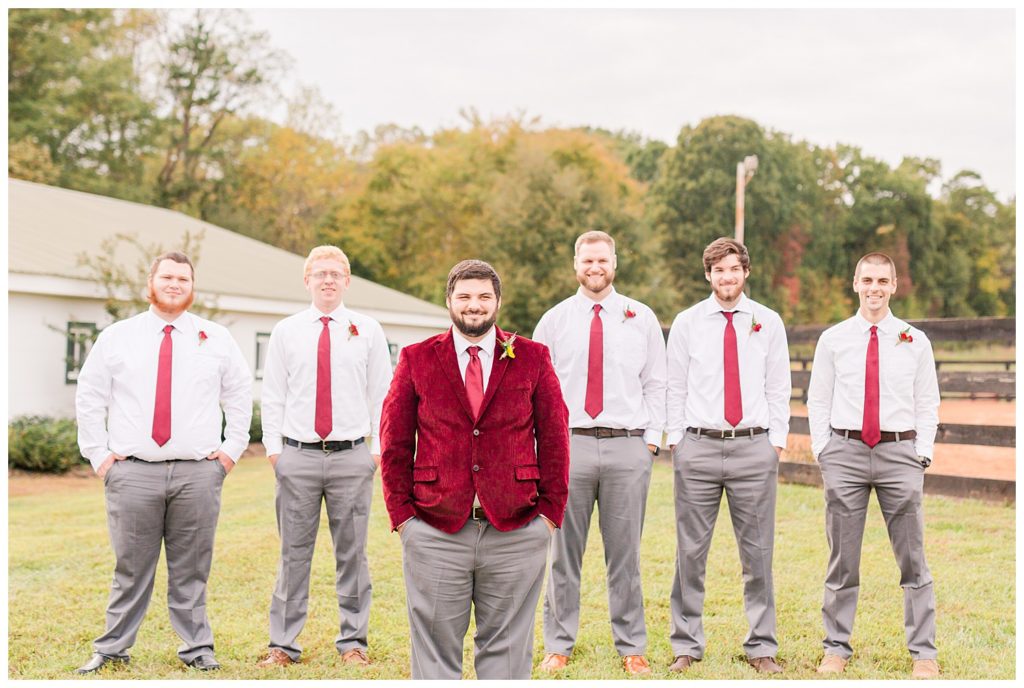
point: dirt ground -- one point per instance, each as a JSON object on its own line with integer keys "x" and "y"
{"x": 951, "y": 459}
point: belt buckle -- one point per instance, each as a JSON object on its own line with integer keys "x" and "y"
{"x": 727, "y": 436}
{"x": 323, "y": 445}
{"x": 601, "y": 433}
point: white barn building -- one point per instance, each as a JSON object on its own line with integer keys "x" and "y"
{"x": 51, "y": 296}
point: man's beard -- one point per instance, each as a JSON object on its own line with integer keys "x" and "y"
{"x": 602, "y": 282}
{"x": 734, "y": 289}
{"x": 472, "y": 330}
{"x": 165, "y": 306}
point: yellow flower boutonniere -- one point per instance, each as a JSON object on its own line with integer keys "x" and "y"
{"x": 507, "y": 345}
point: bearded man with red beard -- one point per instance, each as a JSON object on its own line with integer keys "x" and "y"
{"x": 149, "y": 402}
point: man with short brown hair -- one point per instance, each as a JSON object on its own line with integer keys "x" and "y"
{"x": 148, "y": 404}
{"x": 728, "y": 420}
{"x": 872, "y": 406}
{"x": 475, "y": 466}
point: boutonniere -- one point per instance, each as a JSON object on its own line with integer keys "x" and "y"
{"x": 353, "y": 331}
{"x": 628, "y": 313}
{"x": 905, "y": 336}
{"x": 754, "y": 325}
{"x": 507, "y": 345}
{"x": 202, "y": 337}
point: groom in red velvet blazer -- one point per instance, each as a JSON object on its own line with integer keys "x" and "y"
{"x": 475, "y": 468}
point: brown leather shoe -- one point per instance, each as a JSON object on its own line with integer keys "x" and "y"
{"x": 682, "y": 663}
{"x": 276, "y": 657}
{"x": 553, "y": 662}
{"x": 832, "y": 664}
{"x": 356, "y": 657}
{"x": 635, "y": 664}
{"x": 925, "y": 668}
{"x": 765, "y": 665}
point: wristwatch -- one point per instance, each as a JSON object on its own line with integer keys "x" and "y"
{"x": 926, "y": 461}
{"x": 657, "y": 450}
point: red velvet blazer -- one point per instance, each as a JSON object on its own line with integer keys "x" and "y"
{"x": 515, "y": 456}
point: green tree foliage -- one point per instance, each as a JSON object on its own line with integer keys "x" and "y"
{"x": 500, "y": 192}
{"x": 76, "y": 116}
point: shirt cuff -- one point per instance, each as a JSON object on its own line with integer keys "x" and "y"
{"x": 653, "y": 437}
{"x": 778, "y": 439}
{"x": 233, "y": 450}
{"x": 97, "y": 459}
{"x": 273, "y": 446}
{"x": 924, "y": 449}
{"x": 375, "y": 446}
{"x": 674, "y": 437}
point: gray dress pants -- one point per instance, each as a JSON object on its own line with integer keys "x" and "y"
{"x": 746, "y": 469}
{"x": 148, "y": 503}
{"x": 344, "y": 481}
{"x": 849, "y": 469}
{"x": 499, "y": 574}
{"x": 614, "y": 473}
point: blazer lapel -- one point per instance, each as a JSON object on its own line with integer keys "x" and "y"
{"x": 498, "y": 368}
{"x": 444, "y": 348}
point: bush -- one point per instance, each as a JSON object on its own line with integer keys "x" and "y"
{"x": 256, "y": 426}
{"x": 39, "y": 443}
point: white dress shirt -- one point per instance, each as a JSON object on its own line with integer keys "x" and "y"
{"x": 360, "y": 376}
{"x": 696, "y": 370}
{"x": 907, "y": 382}
{"x": 486, "y": 353}
{"x": 116, "y": 392}
{"x": 634, "y": 362}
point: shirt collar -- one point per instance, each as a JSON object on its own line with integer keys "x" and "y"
{"x": 712, "y": 307}
{"x": 608, "y": 303}
{"x": 486, "y": 344}
{"x": 338, "y": 314}
{"x": 183, "y": 323}
{"x": 888, "y": 324}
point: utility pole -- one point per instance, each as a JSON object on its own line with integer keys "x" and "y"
{"x": 744, "y": 171}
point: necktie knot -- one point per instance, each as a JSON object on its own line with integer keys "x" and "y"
{"x": 474, "y": 351}
{"x": 597, "y": 309}
{"x": 728, "y": 315}
{"x": 874, "y": 329}
{"x": 325, "y": 320}
{"x": 168, "y": 329}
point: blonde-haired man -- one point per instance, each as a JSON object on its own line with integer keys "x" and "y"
{"x": 327, "y": 371}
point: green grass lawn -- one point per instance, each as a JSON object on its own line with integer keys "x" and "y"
{"x": 61, "y": 564}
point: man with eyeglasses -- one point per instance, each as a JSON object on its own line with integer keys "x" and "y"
{"x": 327, "y": 372}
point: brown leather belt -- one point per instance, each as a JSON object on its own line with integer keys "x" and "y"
{"x": 727, "y": 434}
{"x": 886, "y": 436}
{"x": 602, "y": 433}
{"x": 324, "y": 446}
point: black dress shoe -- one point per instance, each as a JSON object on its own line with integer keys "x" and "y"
{"x": 98, "y": 661}
{"x": 204, "y": 663}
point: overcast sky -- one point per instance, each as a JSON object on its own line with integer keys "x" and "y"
{"x": 928, "y": 83}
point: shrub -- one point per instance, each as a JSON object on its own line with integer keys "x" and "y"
{"x": 39, "y": 443}
{"x": 256, "y": 426}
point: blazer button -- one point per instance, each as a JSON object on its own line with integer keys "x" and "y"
{"x": 476, "y": 468}
{"x": 476, "y": 432}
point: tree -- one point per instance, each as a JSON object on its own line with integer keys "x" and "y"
{"x": 73, "y": 93}
{"x": 214, "y": 67}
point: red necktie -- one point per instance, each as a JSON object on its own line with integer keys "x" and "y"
{"x": 733, "y": 394}
{"x": 162, "y": 406}
{"x": 324, "y": 415}
{"x": 475, "y": 381}
{"x": 870, "y": 430}
{"x": 594, "y": 402}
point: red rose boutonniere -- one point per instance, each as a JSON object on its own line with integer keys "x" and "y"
{"x": 628, "y": 313}
{"x": 754, "y": 325}
{"x": 202, "y": 337}
{"x": 905, "y": 336}
{"x": 507, "y": 345}
{"x": 353, "y": 331}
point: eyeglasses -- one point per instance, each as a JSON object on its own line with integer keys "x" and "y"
{"x": 321, "y": 275}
